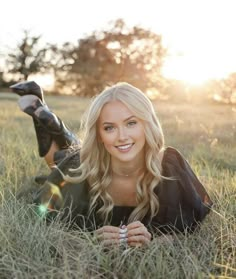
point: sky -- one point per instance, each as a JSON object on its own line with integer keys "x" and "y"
{"x": 200, "y": 35}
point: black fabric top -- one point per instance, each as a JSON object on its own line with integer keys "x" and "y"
{"x": 183, "y": 200}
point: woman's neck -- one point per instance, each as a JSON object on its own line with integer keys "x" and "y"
{"x": 133, "y": 169}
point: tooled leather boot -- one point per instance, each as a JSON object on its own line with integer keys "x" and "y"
{"x": 24, "y": 88}
{"x": 48, "y": 126}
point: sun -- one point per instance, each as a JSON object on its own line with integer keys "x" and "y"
{"x": 206, "y": 49}
{"x": 190, "y": 70}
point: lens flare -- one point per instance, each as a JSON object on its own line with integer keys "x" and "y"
{"x": 42, "y": 209}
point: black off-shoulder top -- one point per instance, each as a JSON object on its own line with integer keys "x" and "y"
{"x": 183, "y": 200}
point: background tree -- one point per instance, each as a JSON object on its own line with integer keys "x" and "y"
{"x": 28, "y": 58}
{"x": 120, "y": 53}
{"x": 60, "y": 60}
{"x": 134, "y": 55}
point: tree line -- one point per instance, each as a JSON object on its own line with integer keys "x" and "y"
{"x": 118, "y": 53}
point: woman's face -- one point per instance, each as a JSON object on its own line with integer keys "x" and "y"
{"x": 121, "y": 132}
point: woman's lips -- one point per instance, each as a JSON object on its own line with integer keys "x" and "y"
{"x": 125, "y": 147}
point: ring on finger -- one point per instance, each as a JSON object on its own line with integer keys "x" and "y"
{"x": 123, "y": 233}
{"x": 123, "y": 230}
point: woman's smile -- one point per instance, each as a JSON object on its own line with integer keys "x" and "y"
{"x": 125, "y": 148}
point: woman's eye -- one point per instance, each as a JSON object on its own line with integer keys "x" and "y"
{"x": 132, "y": 123}
{"x": 108, "y": 128}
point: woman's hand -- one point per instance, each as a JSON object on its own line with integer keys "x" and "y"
{"x": 134, "y": 234}
{"x": 108, "y": 235}
{"x": 138, "y": 234}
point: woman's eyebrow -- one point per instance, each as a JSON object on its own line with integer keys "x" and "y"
{"x": 127, "y": 119}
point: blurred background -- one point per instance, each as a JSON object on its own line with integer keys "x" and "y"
{"x": 182, "y": 50}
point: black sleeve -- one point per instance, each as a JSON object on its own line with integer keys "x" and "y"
{"x": 194, "y": 193}
{"x": 184, "y": 202}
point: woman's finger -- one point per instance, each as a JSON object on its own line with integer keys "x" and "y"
{"x": 108, "y": 235}
{"x": 139, "y": 231}
{"x": 111, "y": 229}
{"x": 141, "y": 239}
{"x": 133, "y": 225}
{"x": 137, "y": 228}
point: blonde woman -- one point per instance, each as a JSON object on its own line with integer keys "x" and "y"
{"x": 120, "y": 180}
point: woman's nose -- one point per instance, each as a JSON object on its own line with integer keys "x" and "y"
{"x": 122, "y": 134}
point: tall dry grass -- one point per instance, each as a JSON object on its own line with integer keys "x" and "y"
{"x": 30, "y": 248}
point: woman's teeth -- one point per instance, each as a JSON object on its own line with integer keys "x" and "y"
{"x": 124, "y": 147}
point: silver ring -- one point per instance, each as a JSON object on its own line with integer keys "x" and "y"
{"x": 123, "y": 230}
{"x": 123, "y": 235}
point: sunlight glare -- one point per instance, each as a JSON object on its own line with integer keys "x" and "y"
{"x": 46, "y": 81}
{"x": 197, "y": 68}
{"x": 206, "y": 49}
{"x": 186, "y": 70}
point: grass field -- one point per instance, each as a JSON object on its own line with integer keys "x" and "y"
{"x": 205, "y": 134}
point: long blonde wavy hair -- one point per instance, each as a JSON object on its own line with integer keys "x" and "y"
{"x": 95, "y": 165}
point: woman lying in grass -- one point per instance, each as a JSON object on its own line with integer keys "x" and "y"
{"x": 121, "y": 180}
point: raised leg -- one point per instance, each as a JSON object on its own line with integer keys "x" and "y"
{"x": 51, "y": 132}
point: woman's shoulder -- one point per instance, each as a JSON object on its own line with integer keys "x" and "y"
{"x": 172, "y": 151}
{"x": 175, "y": 165}
{"x": 173, "y": 156}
